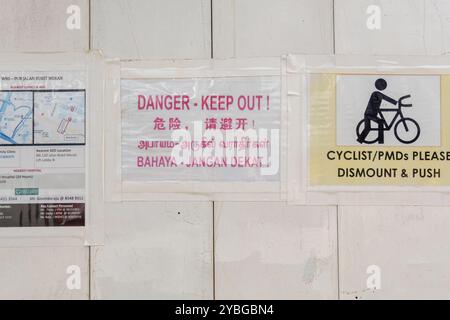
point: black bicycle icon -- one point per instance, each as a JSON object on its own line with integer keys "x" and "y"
{"x": 406, "y": 130}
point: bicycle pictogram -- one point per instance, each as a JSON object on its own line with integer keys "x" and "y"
{"x": 406, "y": 130}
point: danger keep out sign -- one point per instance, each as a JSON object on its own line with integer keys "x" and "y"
{"x": 201, "y": 129}
{"x": 379, "y": 130}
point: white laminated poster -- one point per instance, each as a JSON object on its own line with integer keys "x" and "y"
{"x": 42, "y": 148}
{"x": 198, "y": 129}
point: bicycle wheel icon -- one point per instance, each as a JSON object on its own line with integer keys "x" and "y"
{"x": 407, "y": 130}
{"x": 372, "y": 137}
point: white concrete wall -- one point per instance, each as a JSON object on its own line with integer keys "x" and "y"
{"x": 411, "y": 27}
{"x": 156, "y": 29}
{"x": 258, "y": 28}
{"x": 40, "y": 26}
{"x": 271, "y": 250}
{"x": 409, "y": 245}
{"x": 42, "y": 272}
{"x": 155, "y": 251}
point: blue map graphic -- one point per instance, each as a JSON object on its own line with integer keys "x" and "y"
{"x": 59, "y": 117}
{"x": 16, "y": 117}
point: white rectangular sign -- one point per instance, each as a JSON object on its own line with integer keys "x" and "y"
{"x": 42, "y": 148}
{"x": 201, "y": 129}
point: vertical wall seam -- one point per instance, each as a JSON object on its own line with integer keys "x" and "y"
{"x": 337, "y": 254}
{"x": 337, "y": 207}
{"x": 213, "y": 204}
{"x": 90, "y": 274}
{"x": 334, "y": 29}
{"x": 214, "y": 252}
{"x": 89, "y": 25}
{"x": 89, "y": 247}
{"x": 211, "y": 35}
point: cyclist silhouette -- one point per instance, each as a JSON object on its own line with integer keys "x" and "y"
{"x": 373, "y": 110}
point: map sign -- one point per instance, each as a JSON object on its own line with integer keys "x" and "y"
{"x": 42, "y": 117}
{"x": 42, "y": 149}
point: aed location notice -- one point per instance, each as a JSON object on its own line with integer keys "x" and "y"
{"x": 42, "y": 149}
